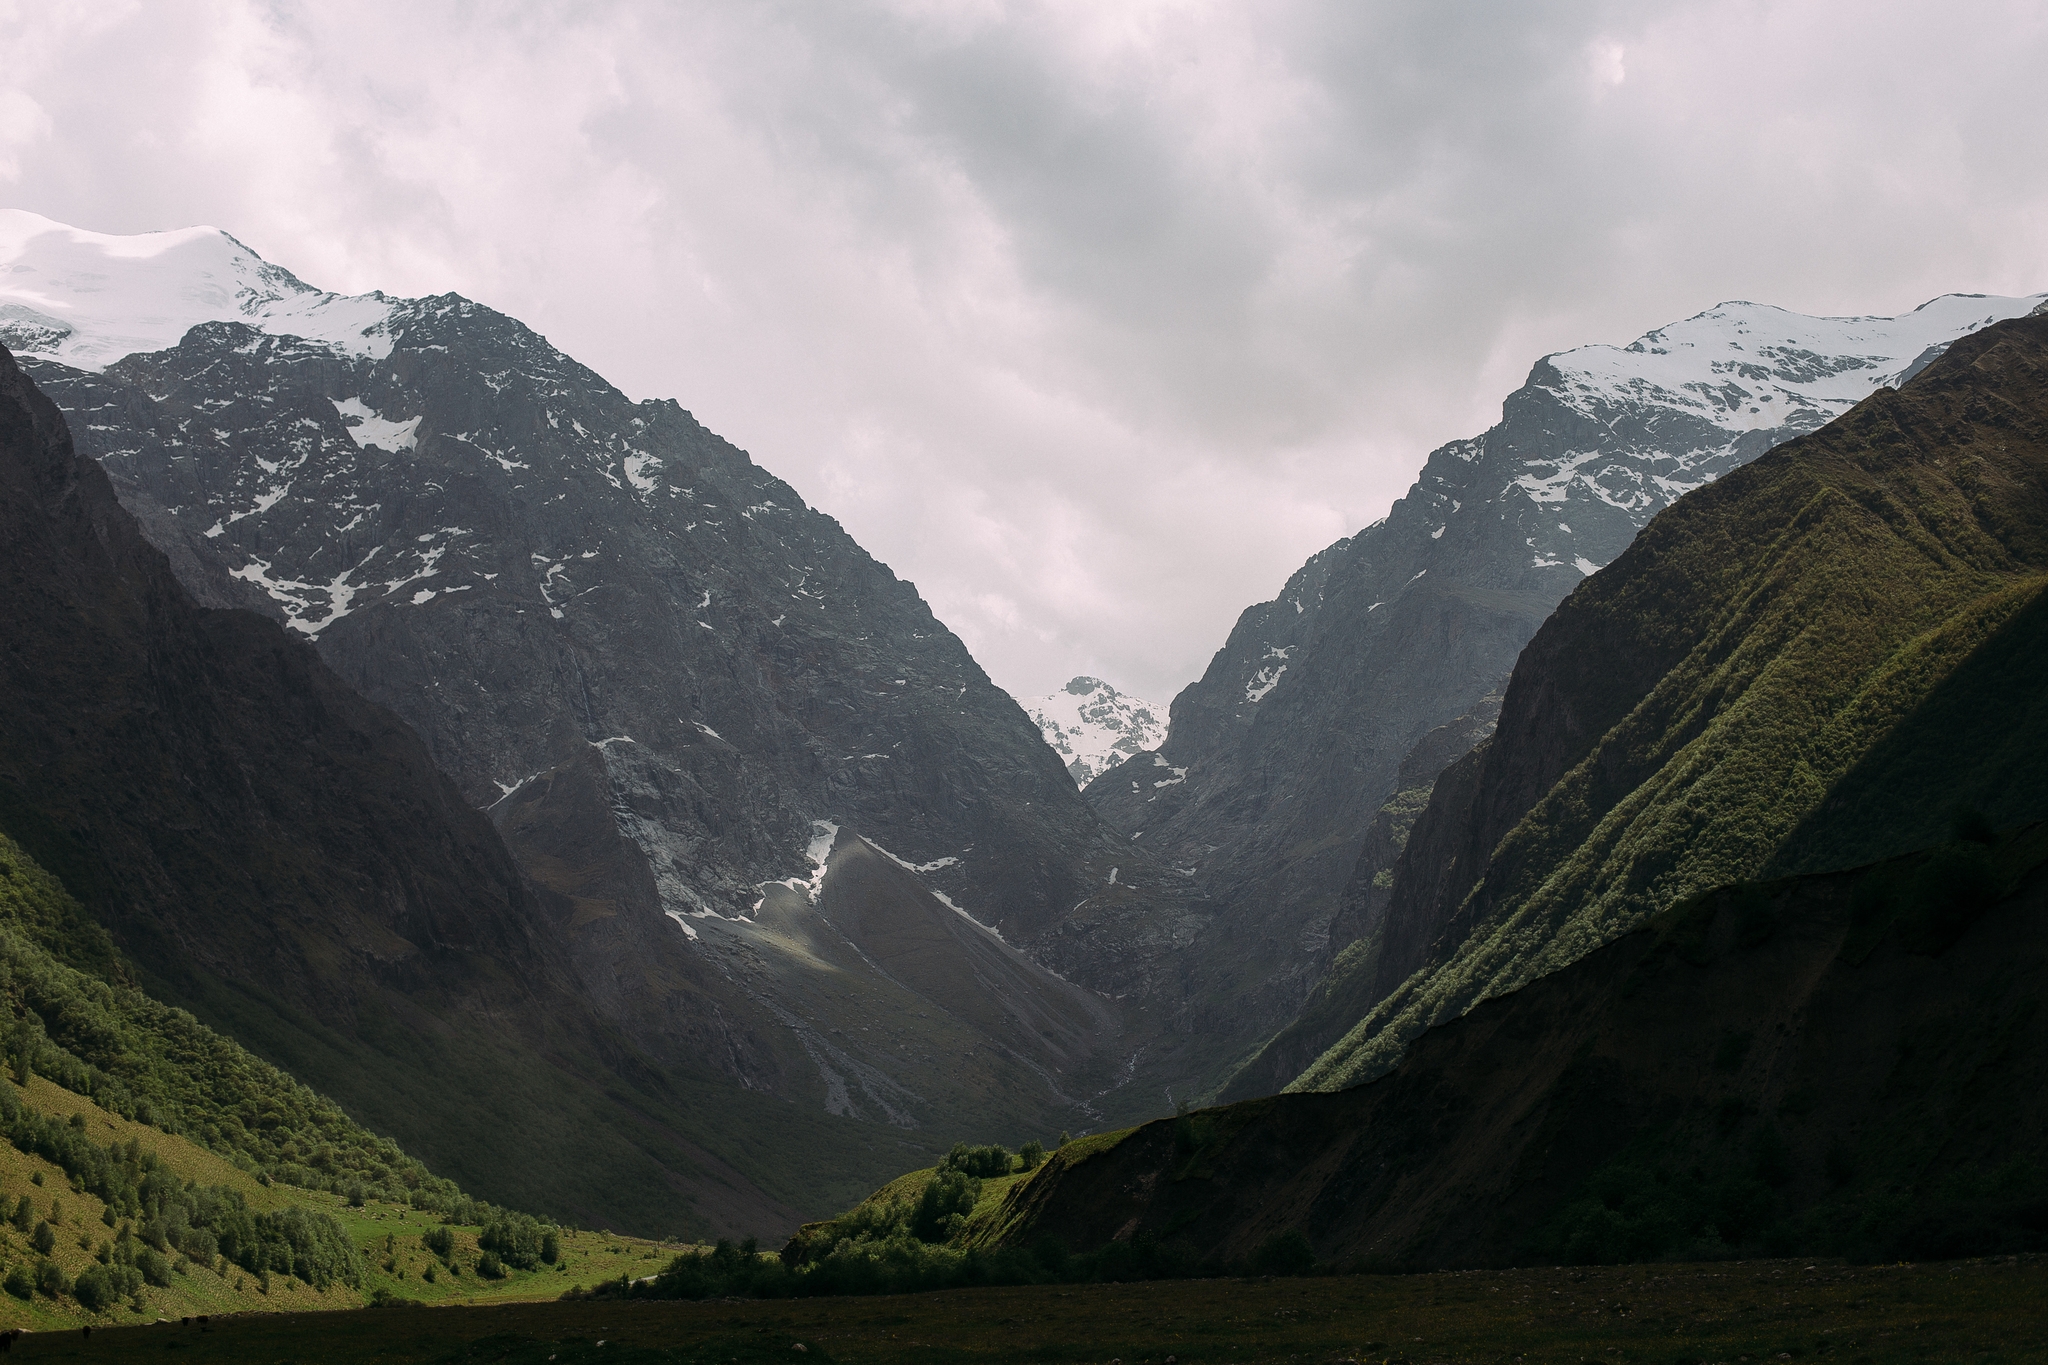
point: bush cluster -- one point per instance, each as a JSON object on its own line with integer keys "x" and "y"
{"x": 519, "y": 1241}
{"x": 508, "y": 1242}
{"x": 942, "y": 1210}
{"x": 982, "y": 1163}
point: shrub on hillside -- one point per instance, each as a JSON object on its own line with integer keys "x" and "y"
{"x": 943, "y": 1207}
{"x": 873, "y": 1222}
{"x": 93, "y": 1289}
{"x": 20, "y": 1281}
{"x": 153, "y": 1267}
{"x": 983, "y": 1163}
{"x": 517, "y": 1239}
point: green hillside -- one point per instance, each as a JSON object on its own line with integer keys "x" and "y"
{"x": 1811, "y": 663}
{"x": 154, "y": 1168}
{"x": 138, "y": 1231}
{"x": 95, "y": 1034}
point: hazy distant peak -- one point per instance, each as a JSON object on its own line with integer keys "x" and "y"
{"x": 1094, "y": 727}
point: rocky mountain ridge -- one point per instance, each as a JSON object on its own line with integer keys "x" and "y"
{"x": 281, "y": 858}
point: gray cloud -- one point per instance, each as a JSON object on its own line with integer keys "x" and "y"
{"x": 1092, "y": 319}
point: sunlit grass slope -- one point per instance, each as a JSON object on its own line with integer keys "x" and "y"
{"x": 390, "y": 1238}
{"x": 125, "y": 1105}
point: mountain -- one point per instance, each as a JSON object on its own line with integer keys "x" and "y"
{"x": 1294, "y": 740}
{"x": 280, "y": 857}
{"x": 686, "y": 698}
{"x": 1848, "y": 1064}
{"x": 1093, "y": 726}
{"x": 1815, "y": 660}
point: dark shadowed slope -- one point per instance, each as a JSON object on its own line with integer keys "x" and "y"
{"x": 1850, "y": 1063}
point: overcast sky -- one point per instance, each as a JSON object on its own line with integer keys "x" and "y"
{"x": 1094, "y": 319}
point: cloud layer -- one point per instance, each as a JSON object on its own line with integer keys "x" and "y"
{"x": 1092, "y": 319}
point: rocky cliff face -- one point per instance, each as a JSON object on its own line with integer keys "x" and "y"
{"x": 665, "y": 675}
{"x": 1279, "y": 760}
{"x": 1367, "y": 951}
{"x": 1817, "y": 658}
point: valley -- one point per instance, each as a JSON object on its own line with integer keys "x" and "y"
{"x": 1566, "y": 868}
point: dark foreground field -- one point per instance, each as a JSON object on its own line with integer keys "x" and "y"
{"x": 1981, "y": 1312}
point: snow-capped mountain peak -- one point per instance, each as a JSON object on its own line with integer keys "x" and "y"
{"x": 87, "y": 299}
{"x": 1095, "y": 727}
{"x": 1753, "y": 367}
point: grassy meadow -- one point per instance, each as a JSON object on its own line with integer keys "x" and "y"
{"x": 1992, "y": 1312}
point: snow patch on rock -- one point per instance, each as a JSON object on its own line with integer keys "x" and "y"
{"x": 368, "y": 428}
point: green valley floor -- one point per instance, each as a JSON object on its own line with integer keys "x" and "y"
{"x": 1985, "y": 1312}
